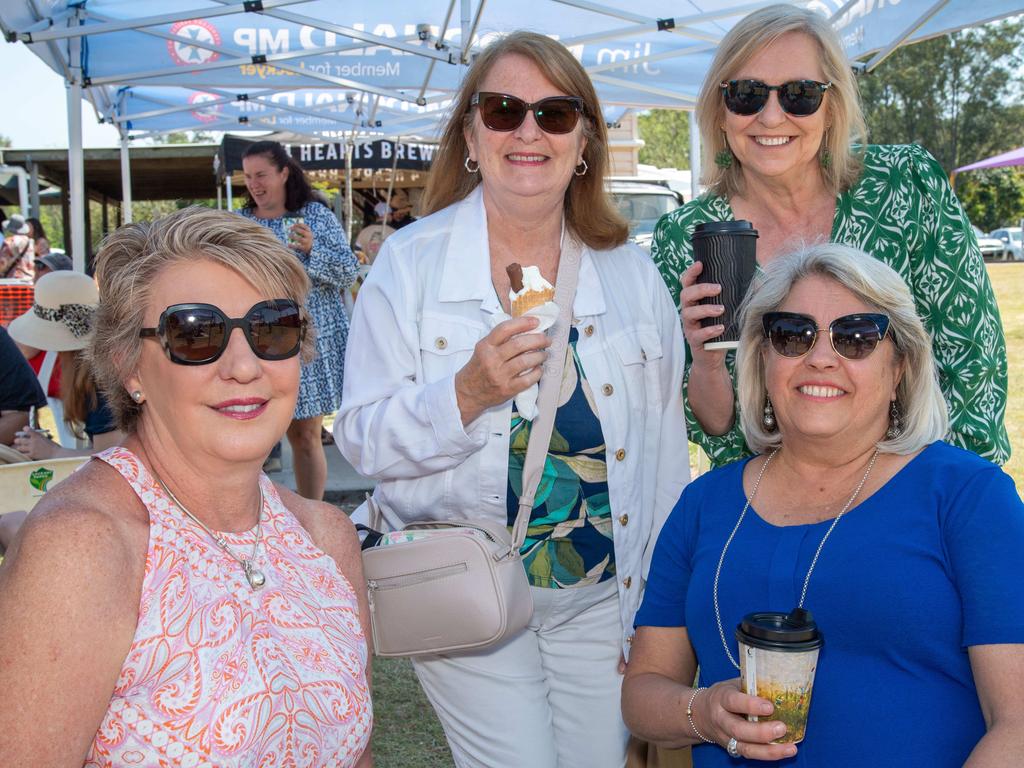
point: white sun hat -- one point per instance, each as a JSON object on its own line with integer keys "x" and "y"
{"x": 61, "y": 316}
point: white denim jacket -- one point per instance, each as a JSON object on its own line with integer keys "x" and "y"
{"x": 421, "y": 311}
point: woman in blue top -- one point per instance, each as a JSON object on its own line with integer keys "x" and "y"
{"x": 908, "y": 549}
{"x": 282, "y": 199}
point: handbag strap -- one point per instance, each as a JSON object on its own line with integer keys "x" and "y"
{"x": 550, "y": 385}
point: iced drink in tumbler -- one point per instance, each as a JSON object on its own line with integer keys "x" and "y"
{"x": 728, "y": 251}
{"x": 778, "y": 659}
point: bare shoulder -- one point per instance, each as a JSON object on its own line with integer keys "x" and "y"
{"x": 329, "y": 527}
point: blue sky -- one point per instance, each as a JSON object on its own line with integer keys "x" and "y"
{"x": 35, "y": 114}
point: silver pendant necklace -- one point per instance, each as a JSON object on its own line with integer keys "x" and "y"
{"x": 253, "y": 574}
{"x": 814, "y": 560}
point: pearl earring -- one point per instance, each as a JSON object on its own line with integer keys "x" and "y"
{"x": 137, "y": 397}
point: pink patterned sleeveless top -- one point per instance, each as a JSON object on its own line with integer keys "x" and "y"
{"x": 220, "y": 675}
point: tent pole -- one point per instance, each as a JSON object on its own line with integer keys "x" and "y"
{"x": 349, "y": 148}
{"x": 126, "y": 180}
{"x": 694, "y": 156}
{"x": 33, "y": 188}
{"x": 231, "y": 204}
{"x": 76, "y": 162}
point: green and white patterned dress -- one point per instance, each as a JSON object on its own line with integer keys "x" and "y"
{"x": 904, "y": 213}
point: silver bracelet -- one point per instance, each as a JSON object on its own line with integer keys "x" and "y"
{"x": 689, "y": 716}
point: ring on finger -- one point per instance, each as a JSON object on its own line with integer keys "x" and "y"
{"x": 733, "y": 748}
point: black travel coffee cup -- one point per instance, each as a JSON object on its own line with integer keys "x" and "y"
{"x": 778, "y": 659}
{"x": 728, "y": 251}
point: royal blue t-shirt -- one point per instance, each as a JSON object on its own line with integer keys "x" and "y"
{"x": 927, "y": 566}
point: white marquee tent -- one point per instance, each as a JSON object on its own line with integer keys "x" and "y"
{"x": 362, "y": 71}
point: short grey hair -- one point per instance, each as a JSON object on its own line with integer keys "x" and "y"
{"x": 842, "y": 106}
{"x": 131, "y": 258}
{"x": 918, "y": 396}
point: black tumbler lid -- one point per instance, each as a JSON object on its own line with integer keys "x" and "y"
{"x": 738, "y": 227}
{"x": 795, "y": 631}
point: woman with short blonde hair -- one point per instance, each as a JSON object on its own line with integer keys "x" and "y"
{"x": 168, "y": 604}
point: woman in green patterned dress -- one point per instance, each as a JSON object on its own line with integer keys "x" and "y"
{"x": 782, "y": 132}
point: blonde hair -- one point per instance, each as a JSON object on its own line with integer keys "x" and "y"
{"x": 918, "y": 396}
{"x": 130, "y": 260}
{"x": 589, "y": 212}
{"x": 843, "y": 114}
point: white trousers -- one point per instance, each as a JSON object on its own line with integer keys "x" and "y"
{"x": 547, "y": 698}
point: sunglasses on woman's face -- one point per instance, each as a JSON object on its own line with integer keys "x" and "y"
{"x": 501, "y": 112}
{"x": 197, "y": 334}
{"x": 852, "y": 336}
{"x": 799, "y": 98}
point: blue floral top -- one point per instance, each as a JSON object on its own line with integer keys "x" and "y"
{"x": 332, "y": 269}
{"x": 569, "y": 541}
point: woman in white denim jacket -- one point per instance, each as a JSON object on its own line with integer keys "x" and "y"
{"x": 427, "y": 406}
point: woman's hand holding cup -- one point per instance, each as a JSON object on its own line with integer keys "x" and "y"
{"x": 722, "y": 715}
{"x": 693, "y": 312}
{"x": 505, "y": 362}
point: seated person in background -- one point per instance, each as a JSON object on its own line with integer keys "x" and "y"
{"x": 61, "y": 322}
{"x": 17, "y": 254}
{"x": 906, "y": 549}
{"x": 47, "y": 364}
{"x": 401, "y": 209}
{"x": 52, "y": 261}
{"x": 372, "y": 237}
{"x": 38, "y": 235}
{"x": 19, "y": 389}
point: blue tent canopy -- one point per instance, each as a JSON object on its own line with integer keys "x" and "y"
{"x": 329, "y": 69}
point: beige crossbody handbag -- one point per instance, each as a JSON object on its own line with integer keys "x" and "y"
{"x": 463, "y": 586}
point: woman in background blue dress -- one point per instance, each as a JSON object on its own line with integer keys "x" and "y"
{"x": 281, "y": 198}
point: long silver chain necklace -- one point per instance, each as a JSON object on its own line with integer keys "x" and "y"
{"x": 253, "y": 574}
{"x": 814, "y": 560}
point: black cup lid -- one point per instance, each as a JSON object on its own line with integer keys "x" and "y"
{"x": 738, "y": 227}
{"x": 794, "y": 631}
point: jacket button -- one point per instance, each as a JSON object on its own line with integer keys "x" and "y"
{"x": 627, "y": 582}
{"x": 620, "y": 454}
{"x": 441, "y": 342}
{"x": 589, "y": 330}
{"x": 607, "y": 389}
{"x": 623, "y": 519}
{"x": 629, "y": 640}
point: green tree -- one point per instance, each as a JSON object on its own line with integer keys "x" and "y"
{"x": 5, "y": 141}
{"x": 666, "y": 135}
{"x": 957, "y": 95}
{"x": 993, "y": 198}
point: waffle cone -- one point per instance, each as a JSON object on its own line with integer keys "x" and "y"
{"x": 530, "y": 299}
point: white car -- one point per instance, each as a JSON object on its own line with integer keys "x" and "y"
{"x": 1011, "y": 238}
{"x": 643, "y": 202}
{"x": 990, "y": 247}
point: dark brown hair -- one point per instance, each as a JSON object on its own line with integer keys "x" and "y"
{"x": 589, "y": 212}
{"x": 297, "y": 189}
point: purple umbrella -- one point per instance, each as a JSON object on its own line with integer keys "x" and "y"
{"x": 1013, "y": 157}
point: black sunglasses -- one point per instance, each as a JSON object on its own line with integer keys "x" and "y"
{"x": 197, "y": 334}
{"x": 501, "y": 112}
{"x": 799, "y": 98}
{"x": 852, "y": 336}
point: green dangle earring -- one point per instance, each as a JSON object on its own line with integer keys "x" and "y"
{"x": 724, "y": 158}
{"x": 825, "y": 155}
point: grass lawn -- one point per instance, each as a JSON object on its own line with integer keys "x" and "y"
{"x": 1008, "y": 282}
